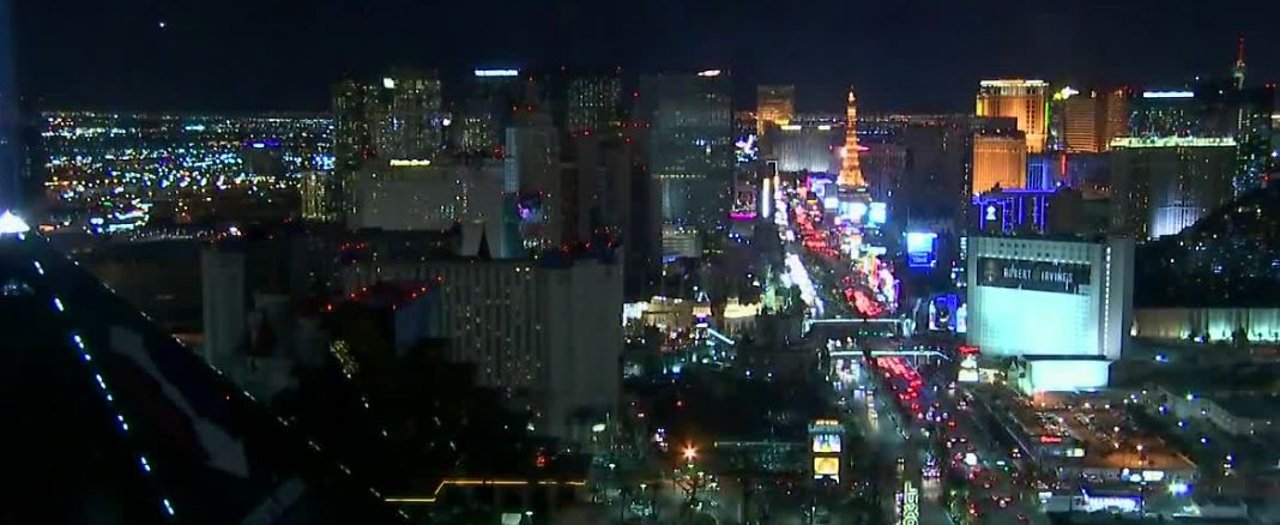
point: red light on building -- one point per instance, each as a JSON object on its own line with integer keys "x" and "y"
{"x": 1050, "y": 439}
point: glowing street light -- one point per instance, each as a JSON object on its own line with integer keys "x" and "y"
{"x": 690, "y": 453}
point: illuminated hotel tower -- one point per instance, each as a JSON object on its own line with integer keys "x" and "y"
{"x": 850, "y": 169}
{"x": 1023, "y": 100}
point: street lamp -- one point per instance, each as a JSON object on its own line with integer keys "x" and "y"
{"x": 690, "y": 453}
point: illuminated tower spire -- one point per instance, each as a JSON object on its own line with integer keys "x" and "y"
{"x": 1237, "y": 72}
{"x": 850, "y": 168}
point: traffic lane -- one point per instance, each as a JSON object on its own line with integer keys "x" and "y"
{"x": 886, "y": 439}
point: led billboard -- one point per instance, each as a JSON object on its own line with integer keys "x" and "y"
{"x": 942, "y": 312}
{"x": 922, "y": 249}
{"x": 826, "y": 444}
{"x": 878, "y": 213}
{"x": 1042, "y": 276}
{"x": 826, "y": 467}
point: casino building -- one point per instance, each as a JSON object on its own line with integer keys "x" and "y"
{"x": 1063, "y": 307}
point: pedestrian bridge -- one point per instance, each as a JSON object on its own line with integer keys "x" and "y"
{"x": 888, "y": 327}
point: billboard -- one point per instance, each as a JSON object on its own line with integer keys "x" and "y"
{"x": 826, "y": 467}
{"x": 878, "y": 214}
{"x": 745, "y": 149}
{"x": 826, "y": 444}
{"x": 1041, "y": 276}
{"x": 943, "y": 311}
{"x": 922, "y": 251}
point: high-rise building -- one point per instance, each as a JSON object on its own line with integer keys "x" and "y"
{"x": 10, "y": 151}
{"x": 774, "y": 105}
{"x": 1160, "y": 186}
{"x": 593, "y": 103}
{"x": 1090, "y": 120}
{"x": 690, "y": 145}
{"x": 850, "y": 167}
{"x": 399, "y": 117}
{"x": 884, "y": 164}
{"x": 1086, "y": 288}
{"x": 939, "y": 157}
{"x": 545, "y": 334}
{"x": 578, "y": 101}
{"x": 488, "y": 107}
{"x": 313, "y": 190}
{"x": 999, "y": 159}
{"x": 812, "y": 148}
{"x": 413, "y": 195}
{"x": 1166, "y": 113}
{"x": 223, "y": 292}
{"x": 1024, "y": 100}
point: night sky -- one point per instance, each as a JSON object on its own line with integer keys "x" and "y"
{"x": 907, "y": 55}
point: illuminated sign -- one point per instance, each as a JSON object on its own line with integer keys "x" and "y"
{"x": 910, "y": 504}
{"x": 968, "y": 370}
{"x": 497, "y": 72}
{"x": 746, "y": 149}
{"x": 942, "y": 312}
{"x": 921, "y": 251}
{"x": 1065, "y": 93}
{"x": 709, "y": 73}
{"x": 826, "y": 467}
{"x": 1050, "y": 440}
{"x": 1168, "y": 94}
{"x": 408, "y": 163}
{"x": 826, "y": 444}
{"x": 878, "y": 213}
{"x": 389, "y": 83}
{"x": 830, "y": 426}
{"x": 1073, "y": 278}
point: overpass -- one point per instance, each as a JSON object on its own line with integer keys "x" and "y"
{"x": 891, "y": 353}
{"x": 894, "y": 327}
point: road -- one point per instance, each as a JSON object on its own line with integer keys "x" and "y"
{"x": 885, "y": 437}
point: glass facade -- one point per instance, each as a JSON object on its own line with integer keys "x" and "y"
{"x": 691, "y": 150}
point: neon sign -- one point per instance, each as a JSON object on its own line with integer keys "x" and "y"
{"x": 910, "y": 504}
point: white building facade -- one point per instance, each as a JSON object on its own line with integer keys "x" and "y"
{"x": 1068, "y": 303}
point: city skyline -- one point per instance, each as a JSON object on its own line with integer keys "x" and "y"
{"x": 927, "y": 61}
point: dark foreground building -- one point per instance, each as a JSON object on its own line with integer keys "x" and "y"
{"x": 109, "y": 420}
